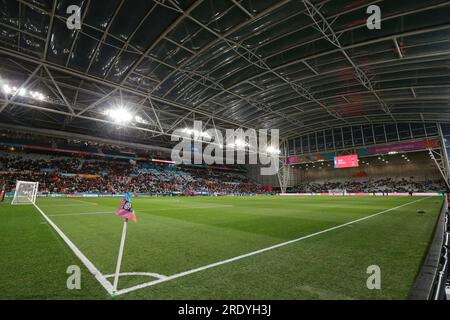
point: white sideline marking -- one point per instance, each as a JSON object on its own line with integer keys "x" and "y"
{"x": 89, "y": 265}
{"x": 63, "y": 204}
{"x": 79, "y": 214}
{"x": 87, "y": 202}
{"x": 212, "y": 265}
{"x": 191, "y": 207}
{"x": 150, "y": 211}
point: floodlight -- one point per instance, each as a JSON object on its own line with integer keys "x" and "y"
{"x": 119, "y": 115}
{"x": 240, "y": 143}
{"x": 7, "y": 89}
{"x": 273, "y": 150}
{"x": 196, "y": 133}
{"x": 205, "y": 135}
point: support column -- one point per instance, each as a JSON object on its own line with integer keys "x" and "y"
{"x": 284, "y": 177}
{"x": 284, "y": 172}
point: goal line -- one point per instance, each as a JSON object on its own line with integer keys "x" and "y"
{"x": 89, "y": 265}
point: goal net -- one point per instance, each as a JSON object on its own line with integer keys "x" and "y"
{"x": 25, "y": 193}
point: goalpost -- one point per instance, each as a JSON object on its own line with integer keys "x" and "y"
{"x": 25, "y": 193}
{"x": 3, "y": 193}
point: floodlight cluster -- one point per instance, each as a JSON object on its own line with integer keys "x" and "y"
{"x": 196, "y": 133}
{"x": 22, "y": 92}
{"x": 273, "y": 150}
{"x": 119, "y": 115}
{"x": 123, "y": 116}
{"x": 241, "y": 144}
{"x": 238, "y": 144}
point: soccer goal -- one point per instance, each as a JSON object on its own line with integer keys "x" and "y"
{"x": 3, "y": 193}
{"x": 25, "y": 193}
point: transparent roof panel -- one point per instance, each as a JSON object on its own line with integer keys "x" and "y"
{"x": 291, "y": 65}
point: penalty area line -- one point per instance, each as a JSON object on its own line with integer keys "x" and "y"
{"x": 246, "y": 255}
{"x": 89, "y": 265}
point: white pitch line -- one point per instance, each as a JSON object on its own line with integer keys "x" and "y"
{"x": 63, "y": 205}
{"x": 144, "y": 274}
{"x": 149, "y": 211}
{"x": 80, "y": 214}
{"x": 89, "y": 265}
{"x": 212, "y": 265}
{"x": 186, "y": 208}
{"x": 86, "y": 202}
{"x": 66, "y": 203}
{"x": 192, "y": 207}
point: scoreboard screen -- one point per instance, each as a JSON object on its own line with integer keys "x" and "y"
{"x": 351, "y": 161}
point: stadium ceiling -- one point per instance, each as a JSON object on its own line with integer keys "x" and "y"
{"x": 299, "y": 66}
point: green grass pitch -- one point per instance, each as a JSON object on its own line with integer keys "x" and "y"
{"x": 174, "y": 235}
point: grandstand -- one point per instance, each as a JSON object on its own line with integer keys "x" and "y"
{"x": 267, "y": 150}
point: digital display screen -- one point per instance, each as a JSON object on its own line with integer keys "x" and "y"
{"x": 351, "y": 161}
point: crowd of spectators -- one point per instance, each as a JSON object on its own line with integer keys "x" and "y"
{"x": 83, "y": 175}
{"x": 76, "y": 175}
{"x": 382, "y": 185}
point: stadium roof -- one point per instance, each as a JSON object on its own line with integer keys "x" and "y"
{"x": 299, "y": 66}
